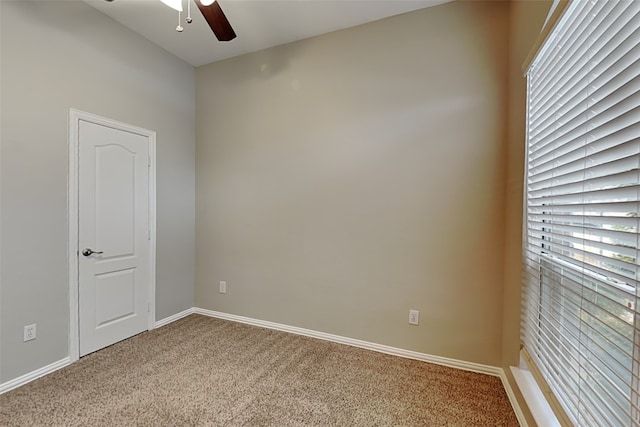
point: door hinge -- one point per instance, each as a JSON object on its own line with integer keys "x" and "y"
{"x": 149, "y": 234}
{"x": 148, "y": 307}
{"x": 148, "y": 161}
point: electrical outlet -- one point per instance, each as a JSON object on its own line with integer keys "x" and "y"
{"x": 30, "y": 332}
{"x": 223, "y": 287}
{"x": 414, "y": 317}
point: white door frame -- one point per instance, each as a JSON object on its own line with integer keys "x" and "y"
{"x": 75, "y": 116}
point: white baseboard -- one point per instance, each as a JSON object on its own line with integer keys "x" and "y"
{"x": 409, "y": 354}
{"x": 514, "y": 400}
{"x": 173, "y": 318}
{"x": 26, "y": 378}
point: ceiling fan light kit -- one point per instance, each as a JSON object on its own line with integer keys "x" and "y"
{"x": 173, "y": 4}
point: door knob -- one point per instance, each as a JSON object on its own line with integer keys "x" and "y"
{"x": 89, "y": 252}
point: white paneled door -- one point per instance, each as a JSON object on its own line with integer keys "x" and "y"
{"x": 113, "y": 235}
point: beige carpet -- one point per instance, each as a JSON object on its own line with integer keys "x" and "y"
{"x": 201, "y": 371}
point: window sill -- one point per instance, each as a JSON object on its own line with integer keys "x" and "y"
{"x": 538, "y": 405}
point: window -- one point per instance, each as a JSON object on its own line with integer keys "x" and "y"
{"x": 581, "y": 298}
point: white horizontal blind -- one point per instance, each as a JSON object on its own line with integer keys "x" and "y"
{"x": 581, "y": 319}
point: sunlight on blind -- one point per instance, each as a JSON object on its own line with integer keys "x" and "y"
{"x": 581, "y": 322}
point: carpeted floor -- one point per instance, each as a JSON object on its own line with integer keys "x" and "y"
{"x": 201, "y": 371}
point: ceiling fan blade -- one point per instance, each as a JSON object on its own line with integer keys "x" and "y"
{"x": 217, "y": 21}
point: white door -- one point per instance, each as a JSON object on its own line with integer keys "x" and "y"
{"x": 113, "y": 235}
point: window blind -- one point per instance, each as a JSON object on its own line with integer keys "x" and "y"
{"x": 581, "y": 298}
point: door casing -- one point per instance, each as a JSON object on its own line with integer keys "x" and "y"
{"x": 73, "y": 215}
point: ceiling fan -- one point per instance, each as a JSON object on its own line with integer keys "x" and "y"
{"x": 212, "y": 13}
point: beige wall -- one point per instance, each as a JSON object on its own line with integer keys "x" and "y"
{"x": 344, "y": 179}
{"x": 57, "y": 55}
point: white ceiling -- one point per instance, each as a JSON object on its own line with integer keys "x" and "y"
{"x": 259, "y": 24}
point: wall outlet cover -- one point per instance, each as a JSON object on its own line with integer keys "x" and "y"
{"x": 414, "y": 317}
{"x": 29, "y": 332}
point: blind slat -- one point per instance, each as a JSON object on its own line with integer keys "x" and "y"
{"x": 585, "y": 71}
{"x": 567, "y": 86}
